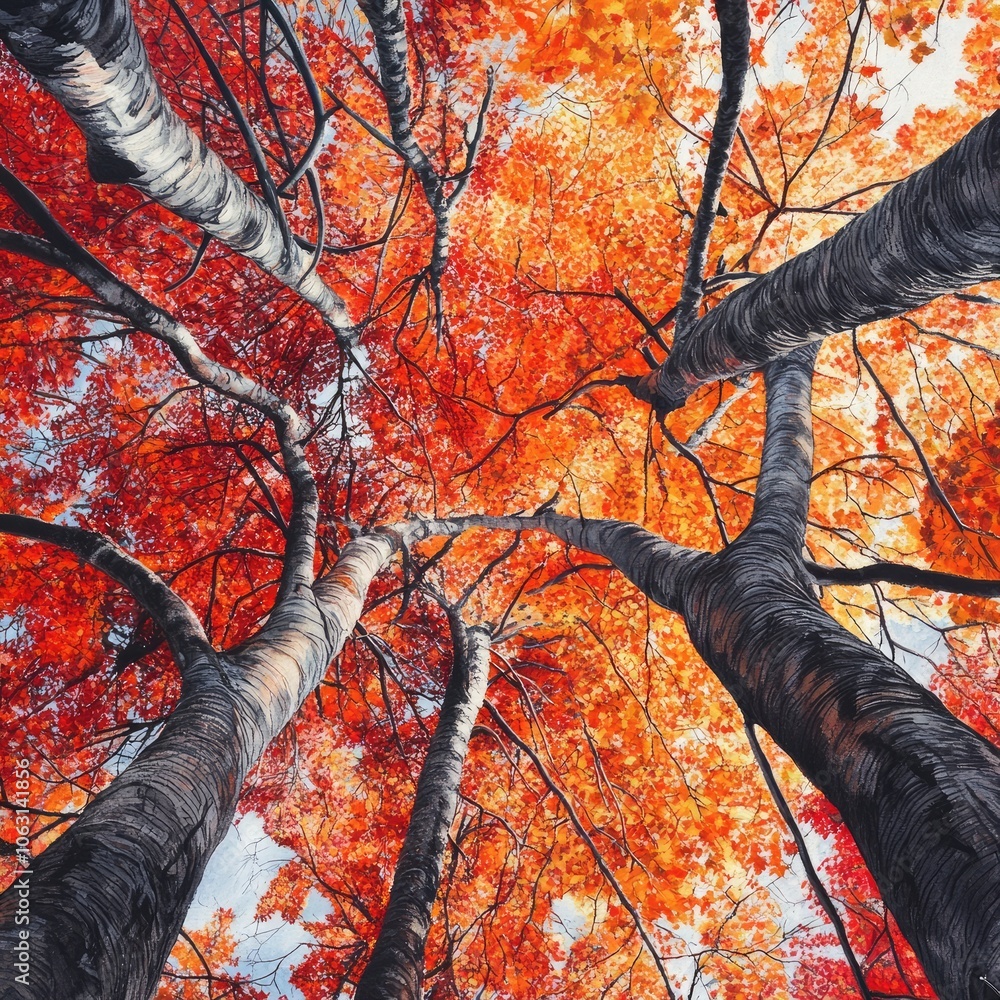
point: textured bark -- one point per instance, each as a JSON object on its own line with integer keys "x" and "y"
{"x": 653, "y": 564}
{"x": 88, "y": 55}
{"x": 781, "y": 503}
{"x": 289, "y": 656}
{"x": 936, "y": 232}
{"x": 919, "y": 791}
{"x": 395, "y": 970}
{"x": 107, "y": 899}
{"x": 388, "y": 23}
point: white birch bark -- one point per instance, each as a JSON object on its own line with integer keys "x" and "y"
{"x": 90, "y": 58}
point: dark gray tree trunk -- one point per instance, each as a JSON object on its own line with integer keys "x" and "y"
{"x": 919, "y": 790}
{"x": 107, "y": 899}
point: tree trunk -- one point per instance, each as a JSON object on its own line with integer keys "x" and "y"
{"x": 919, "y": 791}
{"x": 107, "y": 899}
{"x": 395, "y": 970}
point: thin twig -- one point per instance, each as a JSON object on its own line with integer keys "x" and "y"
{"x": 587, "y": 839}
{"x": 814, "y": 880}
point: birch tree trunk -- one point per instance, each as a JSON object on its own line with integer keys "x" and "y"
{"x": 919, "y": 791}
{"x": 89, "y": 56}
{"x": 395, "y": 970}
{"x": 107, "y": 899}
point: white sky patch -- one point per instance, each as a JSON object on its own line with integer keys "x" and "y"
{"x": 784, "y": 32}
{"x": 930, "y": 82}
{"x": 913, "y": 647}
{"x": 908, "y": 84}
{"x": 237, "y": 876}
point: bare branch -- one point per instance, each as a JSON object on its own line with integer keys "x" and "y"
{"x": 734, "y": 24}
{"x": 581, "y": 830}
{"x": 811, "y": 874}
{"x": 932, "y": 480}
{"x": 171, "y": 614}
{"x": 903, "y": 576}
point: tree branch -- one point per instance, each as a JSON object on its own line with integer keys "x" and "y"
{"x": 125, "y": 301}
{"x": 102, "y": 76}
{"x": 171, "y": 614}
{"x": 387, "y": 20}
{"x": 903, "y": 576}
{"x": 581, "y": 830}
{"x": 734, "y": 24}
{"x": 936, "y": 232}
{"x": 781, "y": 505}
{"x": 933, "y": 484}
{"x": 657, "y": 567}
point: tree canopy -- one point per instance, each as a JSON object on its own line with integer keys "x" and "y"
{"x": 555, "y": 442}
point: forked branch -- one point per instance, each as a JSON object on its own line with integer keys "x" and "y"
{"x": 387, "y": 19}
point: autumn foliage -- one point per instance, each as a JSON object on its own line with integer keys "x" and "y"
{"x": 567, "y": 250}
